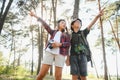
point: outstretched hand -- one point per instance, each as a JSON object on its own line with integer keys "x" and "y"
{"x": 101, "y": 12}
{"x": 31, "y": 13}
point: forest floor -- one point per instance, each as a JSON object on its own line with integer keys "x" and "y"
{"x": 64, "y": 77}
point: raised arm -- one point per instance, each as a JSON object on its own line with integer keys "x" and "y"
{"x": 95, "y": 19}
{"x": 45, "y": 25}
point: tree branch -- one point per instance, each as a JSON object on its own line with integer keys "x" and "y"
{"x": 2, "y": 20}
{"x": 2, "y": 8}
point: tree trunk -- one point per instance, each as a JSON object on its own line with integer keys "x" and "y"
{"x": 95, "y": 69}
{"x": 3, "y": 16}
{"x": 18, "y": 63}
{"x": 2, "y": 8}
{"x": 13, "y": 45}
{"x": 14, "y": 55}
{"x": 103, "y": 46}
{"x": 32, "y": 52}
{"x": 116, "y": 38}
{"x": 40, "y": 41}
{"x": 39, "y": 54}
{"x": 54, "y": 6}
{"x": 76, "y": 9}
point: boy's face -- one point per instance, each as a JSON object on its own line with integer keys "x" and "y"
{"x": 77, "y": 24}
{"x": 62, "y": 25}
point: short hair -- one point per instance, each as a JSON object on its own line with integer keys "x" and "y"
{"x": 75, "y": 21}
{"x": 60, "y": 21}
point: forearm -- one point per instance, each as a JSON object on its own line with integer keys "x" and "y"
{"x": 45, "y": 25}
{"x": 93, "y": 22}
{"x": 36, "y": 16}
{"x": 65, "y": 44}
{"x": 68, "y": 57}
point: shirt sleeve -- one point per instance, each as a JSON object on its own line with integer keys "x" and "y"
{"x": 46, "y": 26}
{"x": 86, "y": 32}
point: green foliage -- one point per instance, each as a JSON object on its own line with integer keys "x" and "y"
{"x": 2, "y": 68}
{"x": 9, "y": 70}
{"x": 111, "y": 9}
{"x": 6, "y": 70}
{"x": 1, "y": 57}
{"x": 20, "y": 70}
{"x": 17, "y": 73}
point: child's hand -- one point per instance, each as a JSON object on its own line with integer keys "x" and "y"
{"x": 67, "y": 62}
{"x": 101, "y": 12}
{"x": 56, "y": 44}
{"x": 31, "y": 13}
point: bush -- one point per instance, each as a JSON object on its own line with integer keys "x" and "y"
{"x": 9, "y": 70}
{"x": 20, "y": 70}
{"x": 2, "y": 69}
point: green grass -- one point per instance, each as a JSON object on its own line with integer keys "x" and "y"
{"x": 47, "y": 77}
{"x": 11, "y": 77}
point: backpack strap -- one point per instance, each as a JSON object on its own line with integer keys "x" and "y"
{"x": 86, "y": 42}
{"x": 83, "y": 36}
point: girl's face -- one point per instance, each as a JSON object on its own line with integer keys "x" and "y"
{"x": 77, "y": 24}
{"x": 62, "y": 25}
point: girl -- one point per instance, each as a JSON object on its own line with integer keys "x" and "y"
{"x": 56, "y": 49}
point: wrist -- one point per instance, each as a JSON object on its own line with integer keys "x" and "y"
{"x": 98, "y": 16}
{"x": 60, "y": 44}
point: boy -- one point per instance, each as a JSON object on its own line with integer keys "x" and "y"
{"x": 78, "y": 59}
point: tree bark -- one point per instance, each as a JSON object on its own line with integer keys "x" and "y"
{"x": 76, "y": 9}
{"x": 32, "y": 52}
{"x": 2, "y": 8}
{"x": 118, "y": 46}
{"x": 103, "y": 46}
{"x": 116, "y": 37}
{"x": 54, "y": 6}
{"x": 40, "y": 41}
{"x": 3, "y": 16}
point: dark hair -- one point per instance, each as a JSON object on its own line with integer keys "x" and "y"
{"x": 59, "y": 22}
{"x": 72, "y": 23}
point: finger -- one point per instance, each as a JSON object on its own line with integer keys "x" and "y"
{"x": 30, "y": 13}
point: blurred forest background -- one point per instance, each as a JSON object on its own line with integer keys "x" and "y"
{"x": 22, "y": 39}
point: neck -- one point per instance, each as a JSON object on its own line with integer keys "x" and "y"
{"x": 76, "y": 30}
{"x": 62, "y": 30}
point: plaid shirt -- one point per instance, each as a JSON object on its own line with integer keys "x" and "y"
{"x": 65, "y": 38}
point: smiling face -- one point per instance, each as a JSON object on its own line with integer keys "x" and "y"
{"x": 76, "y": 24}
{"x": 61, "y": 25}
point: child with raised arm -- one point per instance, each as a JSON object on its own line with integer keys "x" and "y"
{"x": 56, "y": 49}
{"x": 78, "y": 58}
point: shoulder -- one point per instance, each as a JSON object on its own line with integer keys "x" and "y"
{"x": 65, "y": 34}
{"x": 86, "y": 31}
